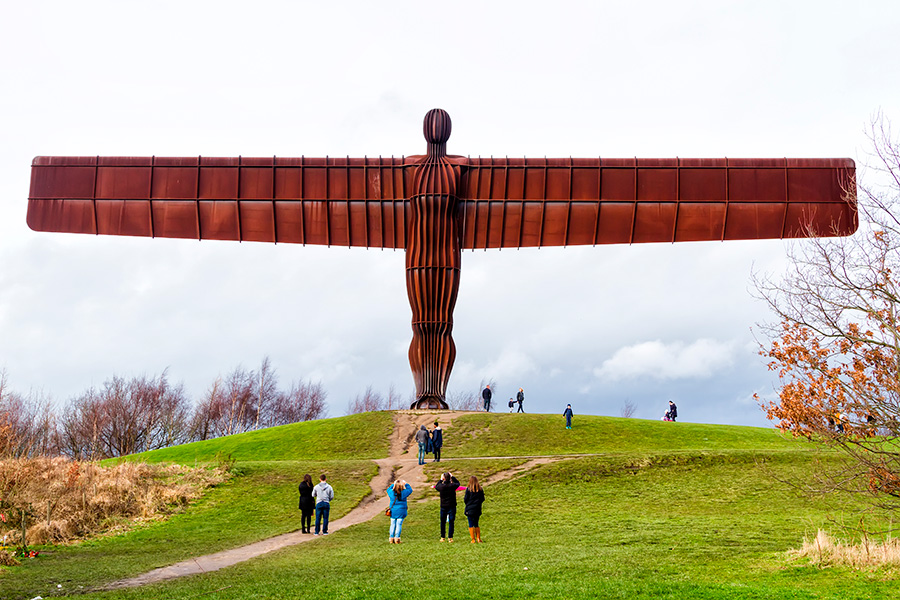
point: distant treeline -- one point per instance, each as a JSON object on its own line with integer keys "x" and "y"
{"x": 125, "y": 416}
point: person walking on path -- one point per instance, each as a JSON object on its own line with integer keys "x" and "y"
{"x": 446, "y": 487}
{"x": 437, "y": 440}
{"x": 422, "y": 438}
{"x": 323, "y": 494}
{"x": 520, "y": 398}
{"x": 486, "y": 396}
{"x": 673, "y": 410}
{"x": 397, "y": 495}
{"x": 307, "y": 505}
{"x": 568, "y": 415}
{"x": 473, "y": 499}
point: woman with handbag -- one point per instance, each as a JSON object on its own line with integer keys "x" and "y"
{"x": 397, "y": 509}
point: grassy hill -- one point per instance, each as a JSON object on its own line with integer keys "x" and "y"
{"x": 658, "y": 510}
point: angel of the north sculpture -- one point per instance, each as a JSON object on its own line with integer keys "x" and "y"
{"x": 435, "y": 205}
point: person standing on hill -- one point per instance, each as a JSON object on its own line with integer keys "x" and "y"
{"x": 422, "y": 438}
{"x": 323, "y": 494}
{"x": 486, "y": 396}
{"x": 520, "y": 398}
{"x": 568, "y": 415}
{"x": 673, "y": 410}
{"x": 473, "y": 499}
{"x": 307, "y": 505}
{"x": 397, "y": 495}
{"x": 446, "y": 487}
{"x": 437, "y": 440}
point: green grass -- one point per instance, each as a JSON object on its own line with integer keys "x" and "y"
{"x": 498, "y": 434}
{"x": 353, "y": 437}
{"x": 664, "y": 511}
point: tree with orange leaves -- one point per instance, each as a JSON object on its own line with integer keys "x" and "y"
{"x": 836, "y": 342}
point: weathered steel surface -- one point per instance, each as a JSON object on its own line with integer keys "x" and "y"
{"x": 435, "y": 205}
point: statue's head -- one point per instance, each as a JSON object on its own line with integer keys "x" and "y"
{"x": 437, "y": 126}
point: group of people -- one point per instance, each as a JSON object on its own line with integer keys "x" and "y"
{"x": 318, "y": 499}
{"x": 315, "y": 499}
{"x": 672, "y": 413}
{"x": 430, "y": 442}
{"x": 446, "y": 487}
{"x": 487, "y": 394}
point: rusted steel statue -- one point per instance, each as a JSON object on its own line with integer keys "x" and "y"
{"x": 436, "y": 205}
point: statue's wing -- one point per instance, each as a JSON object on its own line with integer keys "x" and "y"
{"x": 559, "y": 202}
{"x": 327, "y": 201}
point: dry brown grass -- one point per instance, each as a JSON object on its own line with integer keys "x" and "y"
{"x": 823, "y": 550}
{"x": 66, "y": 500}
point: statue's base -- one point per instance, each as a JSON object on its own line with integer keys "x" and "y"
{"x": 429, "y": 403}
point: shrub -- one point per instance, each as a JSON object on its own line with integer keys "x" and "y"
{"x": 63, "y": 500}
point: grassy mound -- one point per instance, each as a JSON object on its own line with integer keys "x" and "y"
{"x": 658, "y": 510}
{"x": 362, "y": 436}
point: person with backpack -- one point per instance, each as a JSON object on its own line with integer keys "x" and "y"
{"x": 397, "y": 495}
{"x": 423, "y": 438}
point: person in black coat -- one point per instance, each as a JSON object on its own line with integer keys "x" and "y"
{"x": 446, "y": 487}
{"x": 437, "y": 440}
{"x": 520, "y": 398}
{"x": 486, "y": 396}
{"x": 473, "y": 499}
{"x": 673, "y": 410}
{"x": 307, "y": 506}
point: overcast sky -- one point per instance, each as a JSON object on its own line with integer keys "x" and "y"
{"x": 594, "y": 327}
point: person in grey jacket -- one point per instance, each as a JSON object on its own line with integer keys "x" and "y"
{"x": 422, "y": 437}
{"x": 323, "y": 494}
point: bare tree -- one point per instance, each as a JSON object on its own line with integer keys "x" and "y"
{"x": 124, "y": 417}
{"x": 393, "y": 400}
{"x": 27, "y": 423}
{"x": 303, "y": 402}
{"x": 628, "y": 408}
{"x": 370, "y": 400}
{"x": 836, "y": 341}
{"x": 266, "y": 389}
{"x": 471, "y": 399}
{"x": 239, "y": 388}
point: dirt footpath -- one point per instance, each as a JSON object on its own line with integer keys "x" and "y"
{"x": 401, "y": 463}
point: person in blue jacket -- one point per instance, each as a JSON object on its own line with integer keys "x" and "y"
{"x": 397, "y": 495}
{"x": 437, "y": 440}
{"x": 568, "y": 415}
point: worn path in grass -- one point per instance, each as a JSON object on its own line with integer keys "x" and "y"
{"x": 401, "y": 463}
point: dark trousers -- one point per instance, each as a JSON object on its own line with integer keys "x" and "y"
{"x": 445, "y": 514}
{"x": 322, "y": 509}
{"x": 437, "y": 454}
{"x": 473, "y": 519}
{"x": 306, "y": 521}
{"x": 521, "y": 410}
